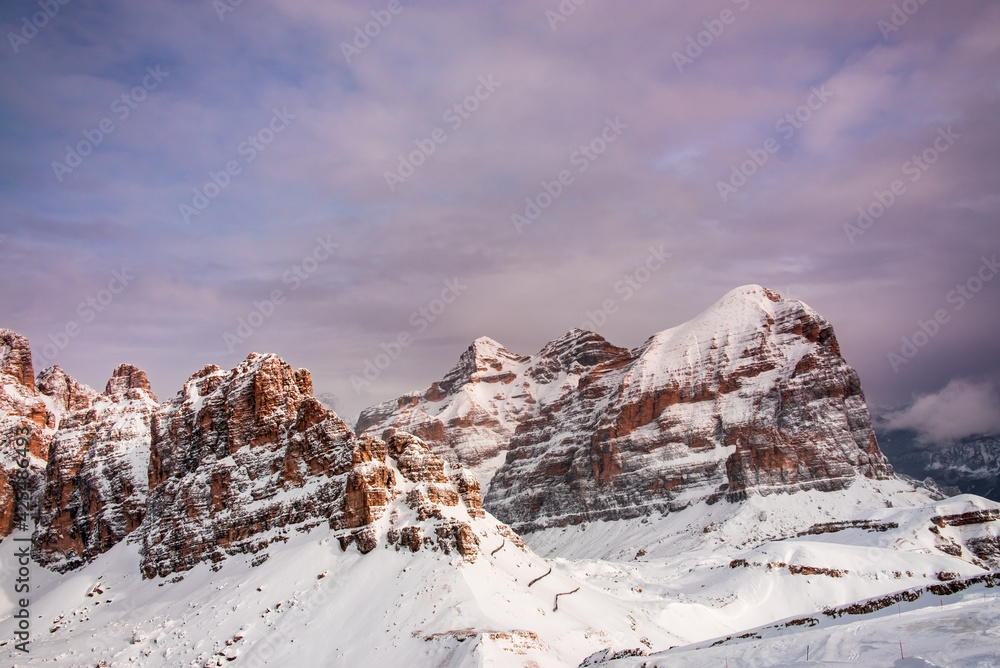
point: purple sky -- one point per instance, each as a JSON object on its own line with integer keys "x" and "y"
{"x": 308, "y": 130}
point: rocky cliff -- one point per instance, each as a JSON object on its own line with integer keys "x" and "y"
{"x": 469, "y": 422}
{"x": 66, "y": 393}
{"x": 229, "y": 466}
{"x": 22, "y": 407}
{"x": 239, "y": 458}
{"x": 88, "y": 455}
{"x": 751, "y": 397}
{"x": 95, "y": 487}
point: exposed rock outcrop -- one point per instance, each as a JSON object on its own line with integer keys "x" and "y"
{"x": 240, "y": 457}
{"x": 15, "y": 358}
{"x": 226, "y": 467}
{"x": 22, "y": 410}
{"x": 19, "y": 398}
{"x": 752, "y": 397}
{"x": 67, "y": 394}
{"x": 472, "y": 429}
{"x": 96, "y": 480}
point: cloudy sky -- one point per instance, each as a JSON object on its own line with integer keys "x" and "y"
{"x": 170, "y": 167}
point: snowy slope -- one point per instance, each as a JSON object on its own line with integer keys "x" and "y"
{"x": 961, "y": 630}
{"x": 320, "y": 605}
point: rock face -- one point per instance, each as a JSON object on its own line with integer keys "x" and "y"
{"x": 750, "y": 397}
{"x": 472, "y": 427}
{"x": 240, "y": 457}
{"x": 15, "y": 358}
{"x": 22, "y": 407}
{"x": 228, "y": 466}
{"x": 95, "y": 480}
{"x": 67, "y": 394}
{"x": 19, "y": 398}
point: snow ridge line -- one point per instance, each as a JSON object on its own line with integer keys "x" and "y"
{"x": 944, "y": 589}
{"x": 871, "y": 605}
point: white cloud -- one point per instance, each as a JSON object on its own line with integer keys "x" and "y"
{"x": 963, "y": 408}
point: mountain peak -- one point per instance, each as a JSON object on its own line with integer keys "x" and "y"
{"x": 68, "y": 393}
{"x": 713, "y": 408}
{"x": 748, "y": 299}
{"x": 126, "y": 378}
{"x": 15, "y": 357}
{"x": 485, "y": 343}
{"x": 752, "y": 291}
{"x": 483, "y": 357}
{"x": 582, "y": 346}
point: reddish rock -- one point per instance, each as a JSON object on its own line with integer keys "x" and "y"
{"x": 469, "y": 490}
{"x": 415, "y": 461}
{"x": 96, "y": 479}
{"x": 124, "y": 380}
{"x": 460, "y": 537}
{"x": 68, "y": 394}
{"x": 15, "y": 358}
{"x": 22, "y": 410}
{"x": 243, "y": 453}
{"x": 473, "y": 435}
{"x": 366, "y": 494}
{"x": 226, "y": 467}
{"x": 410, "y": 537}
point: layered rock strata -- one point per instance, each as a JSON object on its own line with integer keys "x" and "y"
{"x": 751, "y": 397}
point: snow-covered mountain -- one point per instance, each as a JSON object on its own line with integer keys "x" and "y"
{"x": 752, "y": 397}
{"x": 313, "y": 603}
{"x": 585, "y": 505}
{"x": 970, "y": 465}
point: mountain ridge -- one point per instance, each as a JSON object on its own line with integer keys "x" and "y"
{"x": 721, "y": 476}
{"x": 729, "y": 392}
